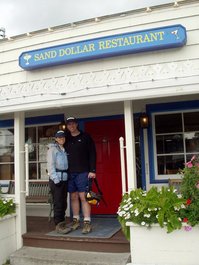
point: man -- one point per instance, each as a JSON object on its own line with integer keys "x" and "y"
{"x": 57, "y": 164}
{"x": 82, "y": 165}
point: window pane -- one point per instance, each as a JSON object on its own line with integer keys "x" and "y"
{"x": 191, "y": 121}
{"x": 168, "y": 123}
{"x": 192, "y": 142}
{"x": 30, "y": 139}
{"x": 43, "y": 171}
{"x": 47, "y": 131}
{"x": 32, "y": 171}
{"x": 6, "y": 171}
{"x": 170, "y": 164}
{"x": 43, "y": 148}
{"x": 6, "y": 145}
{"x": 169, "y": 143}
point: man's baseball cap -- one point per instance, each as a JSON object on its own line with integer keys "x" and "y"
{"x": 71, "y": 119}
{"x": 59, "y": 134}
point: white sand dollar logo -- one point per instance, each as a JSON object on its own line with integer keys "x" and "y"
{"x": 27, "y": 58}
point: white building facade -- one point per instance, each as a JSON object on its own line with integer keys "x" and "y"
{"x": 108, "y": 93}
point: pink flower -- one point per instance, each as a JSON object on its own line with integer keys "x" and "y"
{"x": 193, "y": 158}
{"x": 189, "y": 164}
{"x": 187, "y": 228}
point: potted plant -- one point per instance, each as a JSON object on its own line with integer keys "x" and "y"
{"x": 7, "y": 228}
{"x": 162, "y": 224}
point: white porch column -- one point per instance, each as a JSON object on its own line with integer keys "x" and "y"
{"x": 130, "y": 145}
{"x": 19, "y": 140}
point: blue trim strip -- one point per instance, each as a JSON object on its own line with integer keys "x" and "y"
{"x": 143, "y": 169}
{"x": 6, "y": 123}
{"x": 44, "y": 119}
{"x": 34, "y": 120}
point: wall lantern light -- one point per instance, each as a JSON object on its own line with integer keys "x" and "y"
{"x": 144, "y": 120}
{"x": 62, "y": 126}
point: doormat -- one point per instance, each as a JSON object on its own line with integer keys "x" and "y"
{"x": 101, "y": 228}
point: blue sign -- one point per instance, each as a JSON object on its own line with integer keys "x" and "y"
{"x": 132, "y": 42}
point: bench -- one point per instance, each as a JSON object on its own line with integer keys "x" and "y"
{"x": 175, "y": 183}
{"x": 39, "y": 191}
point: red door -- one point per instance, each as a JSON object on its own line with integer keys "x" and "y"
{"x": 106, "y": 134}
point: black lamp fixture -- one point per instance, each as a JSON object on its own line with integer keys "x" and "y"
{"x": 62, "y": 126}
{"x": 144, "y": 120}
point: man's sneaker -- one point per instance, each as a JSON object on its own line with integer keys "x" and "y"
{"x": 75, "y": 224}
{"x": 62, "y": 228}
{"x": 86, "y": 227}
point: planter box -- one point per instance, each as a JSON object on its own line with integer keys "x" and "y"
{"x": 8, "y": 242}
{"x": 156, "y": 247}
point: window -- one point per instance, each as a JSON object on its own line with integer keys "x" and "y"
{"x": 37, "y": 138}
{"x": 6, "y": 154}
{"x": 176, "y": 140}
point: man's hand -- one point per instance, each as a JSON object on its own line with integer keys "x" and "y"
{"x": 91, "y": 175}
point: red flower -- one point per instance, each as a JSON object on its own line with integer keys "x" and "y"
{"x": 188, "y": 202}
{"x": 185, "y": 220}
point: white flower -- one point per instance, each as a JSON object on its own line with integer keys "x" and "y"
{"x": 183, "y": 206}
{"x": 127, "y": 216}
{"x": 147, "y": 215}
{"x": 136, "y": 212}
{"x": 126, "y": 208}
{"x": 143, "y": 223}
{"x": 179, "y": 196}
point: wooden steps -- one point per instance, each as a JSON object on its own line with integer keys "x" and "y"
{"x": 36, "y": 236}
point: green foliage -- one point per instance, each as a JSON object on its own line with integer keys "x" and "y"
{"x": 161, "y": 207}
{"x": 7, "y": 206}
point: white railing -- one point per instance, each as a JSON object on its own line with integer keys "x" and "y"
{"x": 122, "y": 162}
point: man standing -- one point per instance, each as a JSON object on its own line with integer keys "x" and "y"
{"x": 82, "y": 165}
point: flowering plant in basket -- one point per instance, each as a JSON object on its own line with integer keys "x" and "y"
{"x": 163, "y": 207}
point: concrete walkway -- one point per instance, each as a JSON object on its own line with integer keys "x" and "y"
{"x": 46, "y": 256}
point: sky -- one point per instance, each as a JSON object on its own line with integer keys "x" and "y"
{"x": 22, "y": 16}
